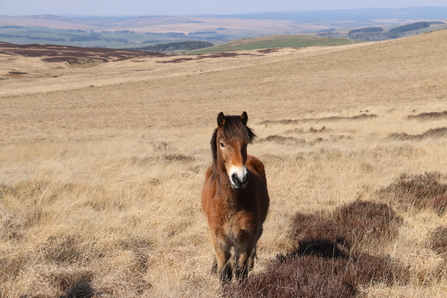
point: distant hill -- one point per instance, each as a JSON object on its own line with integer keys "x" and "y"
{"x": 142, "y": 31}
{"x": 276, "y": 41}
{"x": 429, "y": 13}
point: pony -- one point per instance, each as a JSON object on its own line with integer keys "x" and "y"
{"x": 234, "y": 198}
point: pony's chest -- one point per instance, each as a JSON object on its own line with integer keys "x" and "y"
{"x": 232, "y": 222}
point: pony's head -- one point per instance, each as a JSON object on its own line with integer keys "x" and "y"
{"x": 229, "y": 147}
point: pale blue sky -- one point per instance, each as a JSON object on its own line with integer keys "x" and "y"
{"x": 191, "y": 7}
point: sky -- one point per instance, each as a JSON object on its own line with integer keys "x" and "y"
{"x": 191, "y": 7}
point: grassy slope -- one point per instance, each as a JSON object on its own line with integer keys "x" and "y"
{"x": 276, "y": 41}
{"x": 101, "y": 167}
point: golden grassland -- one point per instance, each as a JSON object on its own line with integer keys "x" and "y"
{"x": 101, "y": 166}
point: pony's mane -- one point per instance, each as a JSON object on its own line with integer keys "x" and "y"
{"x": 232, "y": 129}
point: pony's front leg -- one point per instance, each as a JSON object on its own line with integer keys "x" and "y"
{"x": 221, "y": 263}
{"x": 243, "y": 259}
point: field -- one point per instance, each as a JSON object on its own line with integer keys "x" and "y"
{"x": 275, "y": 41}
{"x": 81, "y": 38}
{"x": 102, "y": 163}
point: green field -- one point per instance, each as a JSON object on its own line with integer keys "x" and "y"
{"x": 276, "y": 41}
{"x": 87, "y": 38}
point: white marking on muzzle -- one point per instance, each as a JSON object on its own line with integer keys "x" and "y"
{"x": 238, "y": 177}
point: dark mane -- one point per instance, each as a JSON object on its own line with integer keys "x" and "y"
{"x": 233, "y": 128}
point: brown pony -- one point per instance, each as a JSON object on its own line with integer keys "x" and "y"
{"x": 234, "y": 198}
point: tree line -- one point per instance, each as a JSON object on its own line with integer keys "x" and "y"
{"x": 377, "y": 33}
{"x": 176, "y": 46}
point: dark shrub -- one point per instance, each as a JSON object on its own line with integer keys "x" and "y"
{"x": 367, "y": 220}
{"x": 323, "y": 263}
{"x": 304, "y": 277}
{"x": 364, "y": 269}
{"x": 438, "y": 240}
{"x": 294, "y": 275}
{"x": 313, "y": 227}
{"x": 352, "y": 223}
{"x": 414, "y": 190}
{"x": 440, "y": 204}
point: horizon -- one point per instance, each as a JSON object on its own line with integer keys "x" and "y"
{"x": 135, "y": 8}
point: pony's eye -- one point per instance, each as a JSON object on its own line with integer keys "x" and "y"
{"x": 222, "y": 145}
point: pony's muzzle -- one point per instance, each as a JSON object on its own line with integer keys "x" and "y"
{"x": 239, "y": 179}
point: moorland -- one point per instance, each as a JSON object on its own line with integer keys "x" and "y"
{"x": 102, "y": 160}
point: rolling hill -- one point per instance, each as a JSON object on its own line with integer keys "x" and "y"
{"x": 276, "y": 41}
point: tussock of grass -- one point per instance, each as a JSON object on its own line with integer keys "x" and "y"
{"x": 428, "y": 116}
{"x": 328, "y": 119}
{"x": 432, "y": 133}
{"x": 282, "y": 140}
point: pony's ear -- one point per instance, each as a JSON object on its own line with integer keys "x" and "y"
{"x": 244, "y": 118}
{"x": 220, "y": 119}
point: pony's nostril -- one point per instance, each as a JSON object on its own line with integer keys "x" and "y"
{"x": 245, "y": 179}
{"x": 235, "y": 179}
{"x": 237, "y": 182}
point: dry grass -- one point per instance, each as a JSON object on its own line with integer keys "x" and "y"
{"x": 101, "y": 168}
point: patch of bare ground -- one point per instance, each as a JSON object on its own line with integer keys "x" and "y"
{"x": 332, "y": 118}
{"x": 431, "y": 133}
{"x": 428, "y": 116}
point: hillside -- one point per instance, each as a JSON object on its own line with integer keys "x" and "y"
{"x": 275, "y": 41}
{"x": 102, "y": 161}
